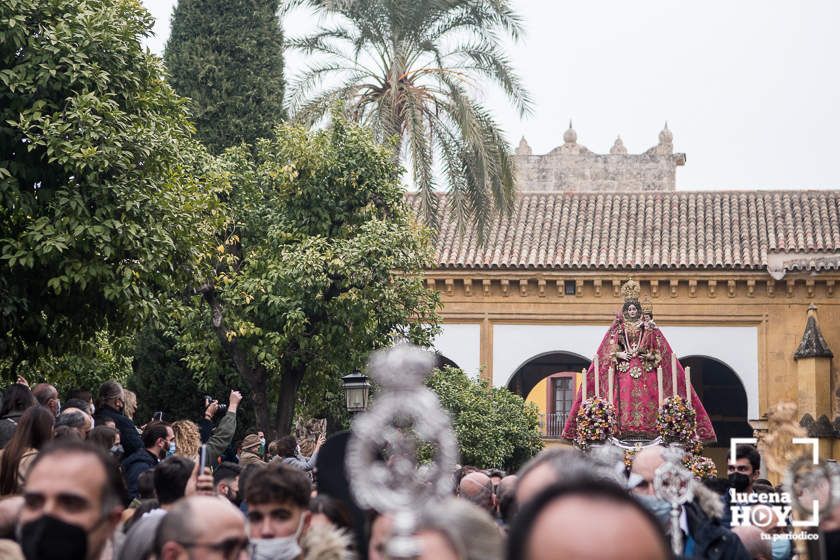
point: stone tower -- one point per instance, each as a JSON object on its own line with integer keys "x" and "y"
{"x": 573, "y": 167}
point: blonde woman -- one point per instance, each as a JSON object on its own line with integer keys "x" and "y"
{"x": 130, "y": 403}
{"x": 188, "y": 435}
{"x": 187, "y": 439}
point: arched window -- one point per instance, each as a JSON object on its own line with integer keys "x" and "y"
{"x": 548, "y": 380}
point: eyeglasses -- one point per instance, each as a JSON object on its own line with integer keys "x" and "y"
{"x": 229, "y": 548}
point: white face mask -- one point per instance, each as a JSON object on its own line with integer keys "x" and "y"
{"x": 280, "y": 548}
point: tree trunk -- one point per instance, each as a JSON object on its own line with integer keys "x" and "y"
{"x": 255, "y": 376}
{"x": 259, "y": 397}
{"x": 289, "y": 385}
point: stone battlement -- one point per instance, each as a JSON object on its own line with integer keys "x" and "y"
{"x": 572, "y": 167}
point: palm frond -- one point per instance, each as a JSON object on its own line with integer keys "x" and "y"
{"x": 490, "y": 61}
{"x": 405, "y": 69}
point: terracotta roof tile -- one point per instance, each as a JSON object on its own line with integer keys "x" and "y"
{"x": 649, "y": 230}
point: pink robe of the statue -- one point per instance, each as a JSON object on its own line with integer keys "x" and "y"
{"x": 637, "y": 400}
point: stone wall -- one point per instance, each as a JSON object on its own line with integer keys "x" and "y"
{"x": 573, "y": 167}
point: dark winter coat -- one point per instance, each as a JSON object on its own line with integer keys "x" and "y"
{"x": 134, "y": 465}
{"x": 129, "y": 436}
{"x": 8, "y": 425}
{"x": 712, "y": 540}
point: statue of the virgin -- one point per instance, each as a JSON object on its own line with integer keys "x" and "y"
{"x": 634, "y": 348}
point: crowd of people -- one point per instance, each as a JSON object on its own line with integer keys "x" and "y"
{"x": 83, "y": 481}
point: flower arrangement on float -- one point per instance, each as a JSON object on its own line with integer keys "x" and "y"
{"x": 596, "y": 421}
{"x": 677, "y": 424}
{"x": 677, "y": 421}
{"x": 701, "y": 467}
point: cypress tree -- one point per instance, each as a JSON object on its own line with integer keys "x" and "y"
{"x": 227, "y": 57}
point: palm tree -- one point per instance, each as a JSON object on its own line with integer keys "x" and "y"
{"x": 409, "y": 69}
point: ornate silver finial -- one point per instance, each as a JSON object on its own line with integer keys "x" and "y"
{"x": 523, "y": 149}
{"x": 618, "y": 147}
{"x": 384, "y": 453}
{"x": 674, "y": 484}
{"x": 570, "y": 136}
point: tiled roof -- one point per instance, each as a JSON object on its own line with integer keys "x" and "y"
{"x": 650, "y": 230}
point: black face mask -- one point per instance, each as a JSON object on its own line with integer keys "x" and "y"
{"x": 739, "y": 481}
{"x": 233, "y": 497}
{"x": 49, "y": 538}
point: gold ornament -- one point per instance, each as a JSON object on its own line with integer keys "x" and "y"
{"x": 631, "y": 290}
{"x": 647, "y": 307}
{"x": 635, "y": 372}
{"x": 651, "y": 360}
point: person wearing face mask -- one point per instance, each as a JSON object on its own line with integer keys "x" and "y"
{"x": 108, "y": 439}
{"x": 110, "y": 407}
{"x": 72, "y": 504}
{"x": 250, "y": 451}
{"x": 704, "y": 535}
{"x": 47, "y": 395}
{"x": 158, "y": 443}
{"x": 288, "y": 453}
{"x": 279, "y": 519}
{"x": 744, "y": 471}
{"x": 226, "y": 482}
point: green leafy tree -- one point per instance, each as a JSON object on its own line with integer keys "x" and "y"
{"x": 408, "y": 70}
{"x": 102, "y": 209}
{"x": 85, "y": 364}
{"x": 162, "y": 381}
{"x": 320, "y": 264}
{"x": 227, "y": 57}
{"x": 495, "y": 427}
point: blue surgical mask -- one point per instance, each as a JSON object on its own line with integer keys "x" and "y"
{"x": 281, "y": 548}
{"x": 171, "y": 451}
{"x": 781, "y": 549}
{"x": 660, "y": 508}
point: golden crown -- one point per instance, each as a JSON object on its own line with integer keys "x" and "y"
{"x": 631, "y": 290}
{"x": 647, "y": 307}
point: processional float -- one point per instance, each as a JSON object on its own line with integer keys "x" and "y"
{"x": 634, "y": 394}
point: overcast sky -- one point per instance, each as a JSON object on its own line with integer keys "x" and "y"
{"x": 749, "y": 88}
